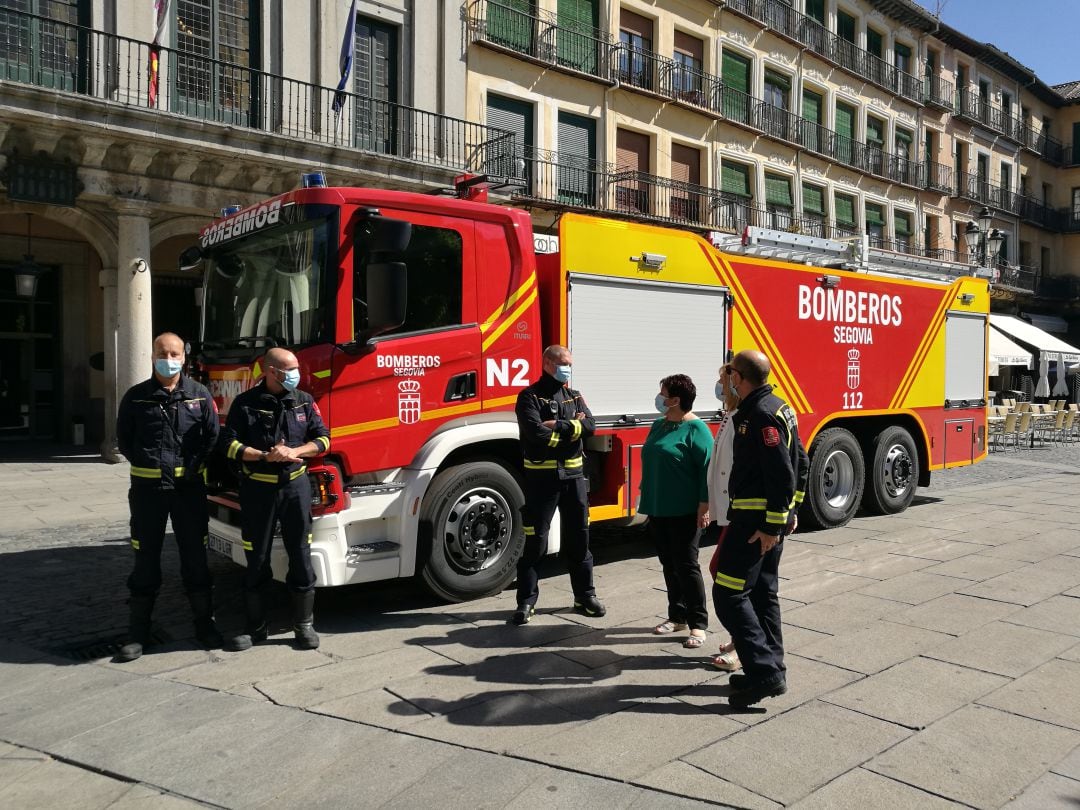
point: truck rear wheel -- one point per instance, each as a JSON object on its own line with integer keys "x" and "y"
{"x": 893, "y": 473}
{"x": 471, "y": 528}
{"x": 837, "y": 475}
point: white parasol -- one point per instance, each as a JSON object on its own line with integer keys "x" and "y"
{"x": 1043, "y": 388}
{"x": 1061, "y": 388}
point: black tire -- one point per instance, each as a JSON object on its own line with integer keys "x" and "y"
{"x": 893, "y": 473}
{"x": 837, "y": 475}
{"x": 471, "y": 531}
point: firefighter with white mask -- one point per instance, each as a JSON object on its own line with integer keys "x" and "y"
{"x": 166, "y": 427}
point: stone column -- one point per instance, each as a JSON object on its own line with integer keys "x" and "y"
{"x": 134, "y": 324}
{"x": 107, "y": 282}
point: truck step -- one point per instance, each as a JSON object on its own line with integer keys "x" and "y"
{"x": 362, "y": 552}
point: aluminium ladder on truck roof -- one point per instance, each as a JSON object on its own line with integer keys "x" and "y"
{"x": 853, "y": 255}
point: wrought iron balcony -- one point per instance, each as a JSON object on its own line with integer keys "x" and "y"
{"x": 973, "y": 107}
{"x": 1062, "y": 288}
{"x": 939, "y": 93}
{"x": 977, "y": 188}
{"x": 1039, "y": 142}
{"x": 1039, "y": 213}
{"x": 541, "y": 35}
{"x": 938, "y": 176}
{"x": 779, "y": 16}
{"x": 74, "y": 59}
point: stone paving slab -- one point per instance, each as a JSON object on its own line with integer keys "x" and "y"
{"x": 816, "y": 743}
{"x": 225, "y": 671}
{"x": 1048, "y": 791}
{"x": 859, "y": 789}
{"x": 821, "y": 585}
{"x": 42, "y": 785}
{"x": 1069, "y": 766}
{"x": 685, "y": 779}
{"x": 914, "y": 588}
{"x": 1050, "y": 693}
{"x": 842, "y": 613}
{"x": 875, "y": 647}
{"x": 1058, "y": 614}
{"x": 1030, "y": 584}
{"x": 955, "y": 614}
{"x": 916, "y": 692}
{"x": 1002, "y": 648}
{"x": 977, "y": 755}
{"x": 977, "y": 567}
{"x": 880, "y": 567}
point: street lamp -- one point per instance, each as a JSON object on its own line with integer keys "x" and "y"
{"x": 27, "y": 272}
{"x": 983, "y": 243}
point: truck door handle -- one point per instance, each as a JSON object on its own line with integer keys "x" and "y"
{"x": 460, "y": 387}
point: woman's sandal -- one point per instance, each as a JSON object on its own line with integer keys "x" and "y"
{"x": 664, "y": 628}
{"x": 693, "y": 642}
{"x": 726, "y": 662}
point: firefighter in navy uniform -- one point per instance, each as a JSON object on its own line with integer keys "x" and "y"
{"x": 553, "y": 421}
{"x": 166, "y": 427}
{"x": 768, "y": 478}
{"x": 271, "y": 430}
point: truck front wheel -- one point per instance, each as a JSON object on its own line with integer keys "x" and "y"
{"x": 893, "y": 473}
{"x": 471, "y": 531}
{"x": 835, "y": 484}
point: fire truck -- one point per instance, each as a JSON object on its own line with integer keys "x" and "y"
{"x": 417, "y": 319}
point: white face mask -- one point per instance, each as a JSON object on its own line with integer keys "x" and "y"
{"x": 660, "y": 406}
{"x": 562, "y": 373}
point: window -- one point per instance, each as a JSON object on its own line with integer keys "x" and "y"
{"x": 982, "y": 178}
{"x": 779, "y": 207}
{"x": 687, "y": 74}
{"x": 635, "y": 46}
{"x": 632, "y": 152}
{"x": 577, "y": 153}
{"x": 734, "y": 210}
{"x": 844, "y": 210}
{"x": 375, "y": 82}
{"x": 515, "y": 117}
{"x": 875, "y": 224}
{"x": 847, "y": 52}
{"x": 815, "y": 10}
{"x": 904, "y": 167}
{"x": 812, "y": 136}
{"x": 1047, "y": 194}
{"x": 434, "y": 264}
{"x": 775, "y": 120}
{"x": 686, "y": 202}
{"x": 845, "y": 26}
{"x": 813, "y": 206}
{"x": 902, "y": 57}
{"x": 902, "y": 229}
{"x": 1076, "y": 144}
{"x": 216, "y": 41}
{"x": 1006, "y": 105}
{"x": 930, "y": 236}
{"x": 1006, "y": 178}
{"x": 875, "y": 140}
{"x": 875, "y": 43}
{"x": 736, "y": 77}
{"x": 576, "y": 37}
{"x": 43, "y": 49}
{"x": 845, "y": 133}
{"x": 510, "y": 24}
{"x": 1075, "y": 206}
{"x": 876, "y": 67}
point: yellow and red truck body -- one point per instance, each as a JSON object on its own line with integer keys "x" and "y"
{"x": 886, "y": 374}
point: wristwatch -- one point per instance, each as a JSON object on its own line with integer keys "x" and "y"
{"x": 265, "y": 455}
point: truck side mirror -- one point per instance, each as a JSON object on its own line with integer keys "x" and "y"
{"x": 391, "y": 235}
{"x": 190, "y": 258}
{"x": 387, "y": 297}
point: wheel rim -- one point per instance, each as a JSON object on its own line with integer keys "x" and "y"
{"x": 897, "y": 470}
{"x": 477, "y": 529}
{"x": 838, "y": 480}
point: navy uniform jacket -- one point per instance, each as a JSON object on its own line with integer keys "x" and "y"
{"x": 167, "y": 435}
{"x": 559, "y": 449}
{"x": 769, "y": 464}
{"x": 260, "y": 420}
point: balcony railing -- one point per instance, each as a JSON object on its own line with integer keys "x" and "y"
{"x": 116, "y": 69}
{"x": 938, "y": 176}
{"x": 782, "y": 18}
{"x": 1063, "y": 288}
{"x": 1039, "y": 213}
{"x": 973, "y": 107}
{"x": 541, "y": 35}
{"x": 979, "y": 189}
{"x": 938, "y": 92}
{"x": 1038, "y": 141}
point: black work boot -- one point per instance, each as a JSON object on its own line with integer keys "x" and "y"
{"x": 303, "y": 620}
{"x": 206, "y": 632}
{"x": 256, "y": 623}
{"x": 589, "y": 606}
{"x": 140, "y": 608}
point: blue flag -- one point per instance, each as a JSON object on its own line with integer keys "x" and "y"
{"x": 346, "y": 58}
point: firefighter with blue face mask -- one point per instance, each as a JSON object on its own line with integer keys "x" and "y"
{"x": 166, "y": 427}
{"x": 272, "y": 430}
{"x": 553, "y": 423}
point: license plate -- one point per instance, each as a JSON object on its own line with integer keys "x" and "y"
{"x": 221, "y": 545}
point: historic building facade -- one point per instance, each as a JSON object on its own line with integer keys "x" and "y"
{"x": 123, "y": 134}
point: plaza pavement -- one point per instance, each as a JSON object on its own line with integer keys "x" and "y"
{"x": 934, "y": 661}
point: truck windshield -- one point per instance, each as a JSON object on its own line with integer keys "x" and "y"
{"x": 269, "y": 289}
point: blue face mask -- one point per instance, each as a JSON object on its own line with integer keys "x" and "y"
{"x": 660, "y": 406}
{"x": 719, "y": 391}
{"x": 167, "y": 367}
{"x": 562, "y": 374}
{"x": 291, "y": 379}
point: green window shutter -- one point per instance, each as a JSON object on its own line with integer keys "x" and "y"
{"x": 736, "y": 72}
{"x": 874, "y": 42}
{"x": 845, "y": 120}
{"x": 510, "y": 23}
{"x": 845, "y": 209}
{"x": 874, "y": 215}
{"x": 902, "y": 224}
{"x": 575, "y": 36}
{"x": 813, "y": 199}
{"x": 845, "y": 26}
{"x": 735, "y": 179}
{"x": 875, "y": 130}
{"x": 778, "y": 80}
{"x": 811, "y": 106}
{"x": 904, "y": 137}
{"x": 815, "y": 10}
{"x": 778, "y": 190}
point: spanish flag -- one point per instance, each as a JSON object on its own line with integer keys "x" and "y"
{"x": 162, "y": 16}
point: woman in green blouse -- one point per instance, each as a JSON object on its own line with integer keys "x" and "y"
{"x": 675, "y": 496}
